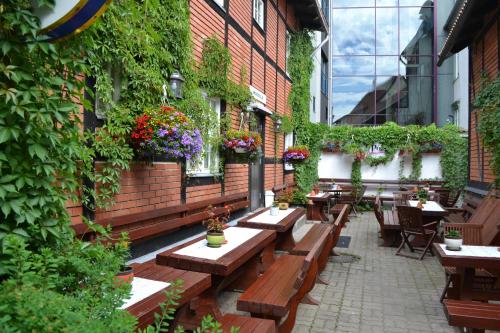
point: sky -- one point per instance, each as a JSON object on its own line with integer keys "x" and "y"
{"x": 358, "y": 34}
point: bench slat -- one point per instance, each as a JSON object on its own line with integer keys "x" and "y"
{"x": 247, "y": 324}
{"x": 473, "y": 314}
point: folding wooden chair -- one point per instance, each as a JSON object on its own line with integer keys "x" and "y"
{"x": 411, "y": 222}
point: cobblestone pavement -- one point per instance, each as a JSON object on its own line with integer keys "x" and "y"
{"x": 379, "y": 293}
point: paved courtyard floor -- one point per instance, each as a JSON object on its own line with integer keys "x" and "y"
{"x": 380, "y": 292}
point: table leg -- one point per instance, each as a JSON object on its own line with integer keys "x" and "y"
{"x": 190, "y": 315}
{"x": 285, "y": 241}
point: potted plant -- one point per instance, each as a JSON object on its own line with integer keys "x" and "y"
{"x": 274, "y": 211}
{"x": 453, "y": 240}
{"x": 215, "y": 227}
{"x": 166, "y": 133}
{"x": 431, "y": 147}
{"x": 296, "y": 154}
{"x": 332, "y": 147}
{"x": 242, "y": 142}
{"x": 285, "y": 198}
{"x": 125, "y": 275}
{"x": 422, "y": 195}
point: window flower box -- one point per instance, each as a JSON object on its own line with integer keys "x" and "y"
{"x": 296, "y": 154}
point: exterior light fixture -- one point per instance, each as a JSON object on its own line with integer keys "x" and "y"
{"x": 277, "y": 125}
{"x": 176, "y": 84}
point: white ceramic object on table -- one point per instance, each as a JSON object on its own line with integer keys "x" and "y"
{"x": 453, "y": 243}
{"x": 274, "y": 211}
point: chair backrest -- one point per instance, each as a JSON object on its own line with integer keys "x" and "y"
{"x": 402, "y": 197}
{"x": 377, "y": 209}
{"x": 452, "y": 201}
{"x": 444, "y": 196}
{"x": 410, "y": 219}
{"x": 435, "y": 197}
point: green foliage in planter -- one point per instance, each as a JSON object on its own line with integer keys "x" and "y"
{"x": 488, "y": 104}
{"x": 356, "y": 179}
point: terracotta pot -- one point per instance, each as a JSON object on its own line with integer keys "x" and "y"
{"x": 215, "y": 239}
{"x": 126, "y": 275}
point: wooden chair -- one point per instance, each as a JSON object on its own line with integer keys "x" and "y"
{"x": 444, "y": 196}
{"x": 390, "y": 231}
{"x": 473, "y": 315}
{"x": 402, "y": 197}
{"x": 277, "y": 293}
{"x": 411, "y": 222}
{"x": 463, "y": 213}
{"x": 352, "y": 198}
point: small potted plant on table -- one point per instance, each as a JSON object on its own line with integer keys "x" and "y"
{"x": 215, "y": 227}
{"x": 453, "y": 240}
{"x": 422, "y": 198}
{"x": 274, "y": 210}
{"x": 285, "y": 198}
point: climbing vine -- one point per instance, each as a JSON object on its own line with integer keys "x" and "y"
{"x": 488, "y": 104}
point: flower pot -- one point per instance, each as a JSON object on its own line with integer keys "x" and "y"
{"x": 283, "y": 205}
{"x": 240, "y": 150}
{"x": 126, "y": 275}
{"x": 274, "y": 211}
{"x": 453, "y": 243}
{"x": 215, "y": 239}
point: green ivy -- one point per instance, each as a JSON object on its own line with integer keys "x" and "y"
{"x": 488, "y": 104}
{"x": 356, "y": 179}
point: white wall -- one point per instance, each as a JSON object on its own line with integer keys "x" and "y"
{"x": 338, "y": 166}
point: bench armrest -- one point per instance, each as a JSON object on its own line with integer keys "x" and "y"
{"x": 454, "y": 209}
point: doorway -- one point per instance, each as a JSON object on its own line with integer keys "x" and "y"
{"x": 256, "y": 173}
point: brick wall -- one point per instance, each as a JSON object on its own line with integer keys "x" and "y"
{"x": 484, "y": 54}
{"x": 146, "y": 187}
{"x": 236, "y": 178}
{"x": 75, "y": 211}
{"x": 203, "y": 192}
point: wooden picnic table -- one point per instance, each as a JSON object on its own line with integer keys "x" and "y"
{"x": 282, "y": 224}
{"x": 236, "y": 269}
{"x": 319, "y": 202}
{"x": 466, "y": 261}
{"x": 194, "y": 284}
{"x": 432, "y": 210}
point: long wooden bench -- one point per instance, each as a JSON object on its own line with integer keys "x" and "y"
{"x": 327, "y": 234}
{"x": 246, "y": 324}
{"x": 464, "y": 213}
{"x": 390, "y": 230}
{"x": 146, "y": 225}
{"x": 277, "y": 293}
{"x": 473, "y": 315}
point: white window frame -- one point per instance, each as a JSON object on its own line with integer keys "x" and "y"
{"x": 220, "y": 3}
{"x": 288, "y": 143}
{"x": 287, "y": 50}
{"x": 457, "y": 66}
{"x": 258, "y": 12}
{"x": 210, "y": 155}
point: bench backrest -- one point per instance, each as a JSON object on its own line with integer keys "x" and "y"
{"x": 377, "y": 209}
{"x": 150, "y": 224}
{"x": 488, "y": 216}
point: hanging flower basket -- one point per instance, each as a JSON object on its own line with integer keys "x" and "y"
{"x": 166, "y": 133}
{"x": 242, "y": 142}
{"x": 332, "y": 147}
{"x": 431, "y": 147}
{"x": 296, "y": 154}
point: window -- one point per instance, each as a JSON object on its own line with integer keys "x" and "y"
{"x": 288, "y": 143}
{"x": 324, "y": 7}
{"x": 324, "y": 75}
{"x": 258, "y": 12}
{"x": 220, "y": 3}
{"x": 288, "y": 41}
{"x": 457, "y": 66}
{"x": 209, "y": 162}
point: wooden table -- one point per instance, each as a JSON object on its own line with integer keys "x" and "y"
{"x": 466, "y": 261}
{"x": 320, "y": 201}
{"x": 283, "y": 227}
{"x": 432, "y": 210}
{"x": 194, "y": 284}
{"x": 235, "y": 270}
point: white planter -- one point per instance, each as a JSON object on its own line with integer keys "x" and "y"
{"x": 274, "y": 211}
{"x": 453, "y": 243}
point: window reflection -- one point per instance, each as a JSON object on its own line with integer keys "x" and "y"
{"x": 387, "y": 65}
{"x": 387, "y": 31}
{"x": 415, "y": 104}
{"x": 355, "y": 65}
{"x": 416, "y": 30}
{"x": 352, "y": 95}
{"x": 379, "y": 3}
{"x": 353, "y": 3}
{"x": 418, "y": 3}
{"x": 415, "y": 65}
{"x": 354, "y": 31}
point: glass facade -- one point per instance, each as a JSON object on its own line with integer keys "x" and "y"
{"x": 382, "y": 61}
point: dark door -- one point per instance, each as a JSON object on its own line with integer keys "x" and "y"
{"x": 257, "y": 167}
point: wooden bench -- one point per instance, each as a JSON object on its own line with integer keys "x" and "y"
{"x": 150, "y": 224}
{"x": 473, "y": 315}
{"x": 246, "y": 324}
{"x": 278, "y": 292}
{"x": 463, "y": 214}
{"x": 326, "y": 235}
{"x": 390, "y": 230}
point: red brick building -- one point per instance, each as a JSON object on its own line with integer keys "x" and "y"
{"x": 255, "y": 32}
{"x": 476, "y": 25}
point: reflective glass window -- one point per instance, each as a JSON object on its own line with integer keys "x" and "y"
{"x": 355, "y": 65}
{"x": 387, "y": 31}
{"x": 354, "y": 31}
{"x": 353, "y": 3}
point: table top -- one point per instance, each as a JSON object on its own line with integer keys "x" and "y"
{"x": 227, "y": 262}
{"x": 431, "y": 208}
{"x": 487, "y": 257}
{"x": 320, "y": 197}
{"x": 194, "y": 284}
{"x": 262, "y": 219}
